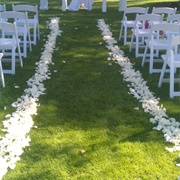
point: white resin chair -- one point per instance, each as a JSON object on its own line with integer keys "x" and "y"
{"x": 172, "y": 60}
{"x": 1, "y": 72}
{"x": 33, "y": 22}
{"x": 140, "y": 32}
{"x": 158, "y": 40}
{"x": 10, "y": 44}
{"x": 22, "y": 29}
{"x": 127, "y": 23}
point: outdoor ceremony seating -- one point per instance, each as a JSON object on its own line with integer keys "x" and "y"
{"x": 128, "y": 23}
{"x": 158, "y": 39}
{"x": 22, "y": 29}
{"x": 1, "y": 71}
{"x": 172, "y": 60}
{"x": 10, "y": 44}
{"x": 33, "y": 21}
{"x": 141, "y": 31}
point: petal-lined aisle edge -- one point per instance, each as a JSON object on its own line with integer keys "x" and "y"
{"x": 137, "y": 86}
{"x": 18, "y": 124}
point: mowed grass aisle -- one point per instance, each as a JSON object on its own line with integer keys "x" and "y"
{"x": 87, "y": 127}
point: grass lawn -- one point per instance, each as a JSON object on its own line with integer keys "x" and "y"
{"x": 87, "y": 125}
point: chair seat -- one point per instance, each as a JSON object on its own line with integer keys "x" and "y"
{"x": 128, "y": 23}
{"x": 131, "y": 23}
{"x": 20, "y": 31}
{"x": 158, "y": 44}
{"x": 30, "y": 21}
{"x": 142, "y": 32}
{"x": 6, "y": 43}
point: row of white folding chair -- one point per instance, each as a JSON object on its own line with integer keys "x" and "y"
{"x": 141, "y": 30}
{"x": 172, "y": 60}
{"x": 33, "y": 22}
{"x": 22, "y": 30}
{"x": 1, "y": 71}
{"x": 10, "y": 44}
{"x": 126, "y": 23}
{"x": 158, "y": 40}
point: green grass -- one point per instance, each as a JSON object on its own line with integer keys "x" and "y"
{"x": 87, "y": 125}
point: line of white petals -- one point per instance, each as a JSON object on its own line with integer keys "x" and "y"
{"x": 137, "y": 86}
{"x": 18, "y": 124}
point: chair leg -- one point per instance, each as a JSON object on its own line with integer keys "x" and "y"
{"x": 120, "y": 33}
{"x": 171, "y": 82}
{"x": 13, "y": 60}
{"x": 34, "y": 34}
{"x": 29, "y": 41}
{"x": 137, "y": 47}
{"x": 2, "y": 75}
{"x": 151, "y": 61}
{"x": 19, "y": 53}
{"x": 131, "y": 43}
{"x": 24, "y": 46}
{"x": 38, "y": 32}
{"x": 144, "y": 55}
{"x": 125, "y": 35}
{"x": 162, "y": 74}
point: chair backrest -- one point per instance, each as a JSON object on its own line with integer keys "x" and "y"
{"x": 13, "y": 14}
{"x": 167, "y": 28}
{"x": 27, "y": 8}
{"x": 9, "y": 27}
{"x": 147, "y": 18}
{"x": 16, "y": 15}
{"x": 164, "y": 10}
{"x": 135, "y": 10}
{"x": 2, "y": 7}
{"x": 6, "y": 26}
{"x": 173, "y": 18}
{"x": 164, "y": 31}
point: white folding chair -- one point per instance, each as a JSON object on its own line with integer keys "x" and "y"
{"x": 140, "y": 32}
{"x": 158, "y": 40}
{"x": 173, "y": 18}
{"x": 1, "y": 72}
{"x": 22, "y": 29}
{"x": 2, "y": 7}
{"x": 10, "y": 44}
{"x": 171, "y": 59}
{"x": 33, "y": 22}
{"x": 128, "y": 23}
